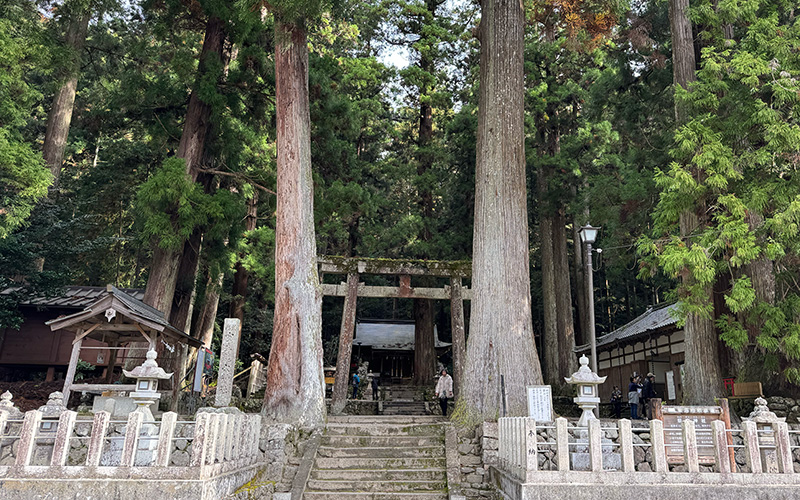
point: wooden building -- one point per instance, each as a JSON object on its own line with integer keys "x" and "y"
{"x": 34, "y": 350}
{"x": 388, "y": 346}
{"x": 651, "y": 343}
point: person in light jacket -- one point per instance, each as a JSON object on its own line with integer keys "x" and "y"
{"x": 444, "y": 390}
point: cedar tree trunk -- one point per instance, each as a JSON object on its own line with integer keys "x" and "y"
{"x": 241, "y": 275}
{"x": 60, "y": 117}
{"x": 295, "y": 390}
{"x": 501, "y": 333}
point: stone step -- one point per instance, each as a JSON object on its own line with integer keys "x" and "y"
{"x": 393, "y": 430}
{"x": 424, "y": 474}
{"x": 380, "y": 463}
{"x": 381, "y": 452}
{"x": 381, "y": 420}
{"x": 358, "y": 495}
{"x": 370, "y": 441}
{"x": 376, "y": 486}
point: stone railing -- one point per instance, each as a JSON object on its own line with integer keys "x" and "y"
{"x": 528, "y": 448}
{"x": 216, "y": 442}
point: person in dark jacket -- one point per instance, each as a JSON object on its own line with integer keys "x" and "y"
{"x": 616, "y": 402}
{"x": 633, "y": 397}
{"x": 648, "y": 393}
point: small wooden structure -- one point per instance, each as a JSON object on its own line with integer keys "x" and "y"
{"x": 354, "y": 267}
{"x": 116, "y": 319}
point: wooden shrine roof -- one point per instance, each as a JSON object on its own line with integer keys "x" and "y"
{"x": 130, "y": 319}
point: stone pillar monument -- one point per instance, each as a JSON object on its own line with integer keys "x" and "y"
{"x": 231, "y": 334}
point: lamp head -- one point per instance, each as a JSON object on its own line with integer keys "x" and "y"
{"x": 589, "y": 234}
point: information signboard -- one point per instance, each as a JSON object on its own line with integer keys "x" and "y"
{"x": 540, "y": 403}
{"x": 673, "y": 418}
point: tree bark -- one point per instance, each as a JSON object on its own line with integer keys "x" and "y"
{"x": 207, "y": 316}
{"x": 702, "y": 380}
{"x": 459, "y": 339}
{"x": 424, "y": 343}
{"x": 567, "y": 362}
{"x": 339, "y": 396}
{"x": 242, "y": 275}
{"x": 60, "y": 116}
{"x": 581, "y": 336}
{"x": 161, "y": 282}
{"x": 549, "y": 303}
{"x": 683, "y": 59}
{"x": 295, "y": 387}
{"x": 501, "y": 338}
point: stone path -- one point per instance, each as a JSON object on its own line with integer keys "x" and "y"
{"x": 380, "y": 458}
{"x": 404, "y": 400}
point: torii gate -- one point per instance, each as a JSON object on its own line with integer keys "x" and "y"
{"x": 354, "y": 267}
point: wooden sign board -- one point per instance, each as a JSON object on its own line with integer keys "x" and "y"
{"x": 540, "y": 403}
{"x": 673, "y": 418}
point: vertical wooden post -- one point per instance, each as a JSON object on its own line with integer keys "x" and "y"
{"x": 177, "y": 378}
{"x": 339, "y": 398}
{"x": 725, "y": 416}
{"x": 112, "y": 361}
{"x": 73, "y": 364}
{"x": 459, "y": 339}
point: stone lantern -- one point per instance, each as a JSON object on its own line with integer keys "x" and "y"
{"x": 147, "y": 376}
{"x": 587, "y": 382}
{"x": 7, "y": 406}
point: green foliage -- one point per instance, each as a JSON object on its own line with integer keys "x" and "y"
{"x": 23, "y": 176}
{"x": 733, "y": 169}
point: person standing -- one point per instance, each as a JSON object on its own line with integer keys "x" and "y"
{"x": 444, "y": 390}
{"x": 648, "y": 393}
{"x": 356, "y": 382}
{"x": 633, "y": 397}
{"x": 616, "y": 402}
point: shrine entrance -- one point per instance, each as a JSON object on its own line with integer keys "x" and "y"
{"x": 354, "y": 268}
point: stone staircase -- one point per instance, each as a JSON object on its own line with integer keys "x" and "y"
{"x": 404, "y": 400}
{"x": 380, "y": 458}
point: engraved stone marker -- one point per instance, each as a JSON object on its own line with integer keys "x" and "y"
{"x": 227, "y": 360}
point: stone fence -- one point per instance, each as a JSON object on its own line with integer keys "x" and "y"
{"x": 209, "y": 457}
{"x": 527, "y": 448}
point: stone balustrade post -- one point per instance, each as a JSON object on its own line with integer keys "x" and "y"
{"x": 502, "y": 445}
{"x": 98, "y": 437}
{"x": 751, "y": 452}
{"x": 27, "y": 438}
{"x": 256, "y": 435}
{"x": 222, "y": 430}
{"x": 132, "y": 431}
{"x": 213, "y": 437}
{"x": 66, "y": 423}
{"x": 3, "y": 421}
{"x": 201, "y": 427}
{"x": 721, "y": 455}
{"x": 531, "y": 462}
{"x": 562, "y": 444}
{"x": 165, "y": 434}
{"x": 658, "y": 450}
{"x": 690, "y": 457}
{"x": 595, "y": 446}
{"x": 229, "y": 437}
{"x": 626, "y": 445}
{"x": 238, "y": 436}
{"x": 520, "y": 440}
{"x": 783, "y": 448}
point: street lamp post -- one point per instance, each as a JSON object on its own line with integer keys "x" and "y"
{"x": 589, "y": 236}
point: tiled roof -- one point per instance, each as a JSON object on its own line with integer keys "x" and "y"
{"x": 78, "y": 297}
{"x": 649, "y": 321}
{"x": 390, "y": 336}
